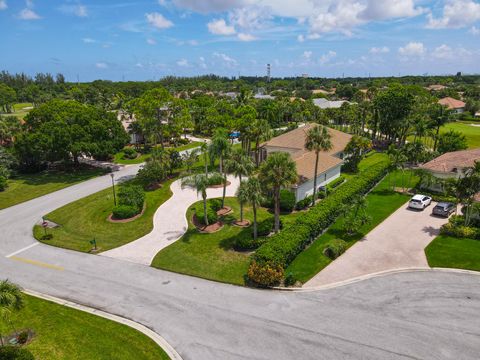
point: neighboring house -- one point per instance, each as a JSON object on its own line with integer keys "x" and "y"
{"x": 327, "y": 104}
{"x": 128, "y": 119}
{"x": 451, "y": 165}
{"x": 436, "y": 87}
{"x": 329, "y": 163}
{"x": 455, "y": 105}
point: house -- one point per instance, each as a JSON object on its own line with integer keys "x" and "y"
{"x": 329, "y": 164}
{"x": 457, "y": 106}
{"x": 128, "y": 120}
{"x": 327, "y": 104}
{"x": 451, "y": 165}
{"x": 436, "y": 87}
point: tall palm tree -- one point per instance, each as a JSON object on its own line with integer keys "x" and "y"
{"x": 239, "y": 164}
{"x": 221, "y": 147}
{"x": 397, "y": 159}
{"x": 200, "y": 183}
{"x": 250, "y": 191}
{"x": 439, "y": 116}
{"x": 258, "y": 130}
{"x": 277, "y": 172}
{"x": 11, "y": 300}
{"x": 318, "y": 139}
{"x": 204, "y": 149}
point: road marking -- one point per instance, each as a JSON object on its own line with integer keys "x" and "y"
{"x": 37, "y": 263}
{"x": 22, "y": 249}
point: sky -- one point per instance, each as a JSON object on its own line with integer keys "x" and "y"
{"x": 150, "y": 39}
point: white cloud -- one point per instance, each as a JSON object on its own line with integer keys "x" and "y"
{"x": 3, "y": 4}
{"x": 220, "y": 27}
{"x": 456, "y": 14}
{"x": 227, "y": 60}
{"x": 28, "y": 14}
{"x": 474, "y": 30}
{"x": 379, "y": 50}
{"x": 209, "y": 6}
{"x": 183, "y": 63}
{"x": 89, "y": 40}
{"x": 443, "y": 52}
{"x": 158, "y": 20}
{"x": 300, "y": 38}
{"x": 246, "y": 37}
{"x": 381, "y": 10}
{"x": 250, "y": 17}
{"x": 202, "y": 63}
{"x": 101, "y": 65}
{"x": 325, "y": 58}
{"x": 307, "y": 55}
{"x": 412, "y": 49}
{"x": 151, "y": 41}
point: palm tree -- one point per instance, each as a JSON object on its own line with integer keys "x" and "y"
{"x": 258, "y": 130}
{"x": 11, "y": 299}
{"x": 220, "y": 147}
{"x": 397, "y": 159}
{"x": 189, "y": 158}
{"x": 250, "y": 191}
{"x": 204, "y": 149}
{"x": 318, "y": 139}
{"x": 439, "y": 116}
{"x": 200, "y": 183}
{"x": 239, "y": 164}
{"x": 277, "y": 172}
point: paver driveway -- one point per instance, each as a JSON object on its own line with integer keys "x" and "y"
{"x": 397, "y": 243}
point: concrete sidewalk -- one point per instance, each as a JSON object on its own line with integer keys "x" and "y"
{"x": 169, "y": 224}
{"x": 397, "y": 243}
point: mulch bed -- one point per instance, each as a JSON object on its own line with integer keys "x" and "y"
{"x": 244, "y": 223}
{"x": 119, "y": 221}
{"x": 206, "y": 229}
{"x": 218, "y": 185}
{"x": 224, "y": 211}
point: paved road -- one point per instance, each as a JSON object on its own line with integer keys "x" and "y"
{"x": 431, "y": 315}
{"x": 397, "y": 243}
{"x": 169, "y": 223}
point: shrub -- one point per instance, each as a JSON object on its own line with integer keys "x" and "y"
{"x": 265, "y": 227}
{"x": 460, "y": 231}
{"x": 335, "y": 248}
{"x": 266, "y": 274}
{"x": 15, "y": 353}
{"x": 211, "y": 214}
{"x": 3, "y": 183}
{"x": 124, "y": 212}
{"x": 215, "y": 204}
{"x": 248, "y": 243}
{"x": 283, "y": 247}
{"x": 129, "y": 153}
{"x": 215, "y": 178}
{"x": 290, "y": 279}
{"x": 22, "y": 337}
{"x": 287, "y": 200}
{"x": 336, "y": 183}
{"x": 131, "y": 195}
{"x": 304, "y": 203}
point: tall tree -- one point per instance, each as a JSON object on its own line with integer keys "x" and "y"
{"x": 220, "y": 147}
{"x": 200, "y": 183}
{"x": 318, "y": 139}
{"x": 11, "y": 300}
{"x": 439, "y": 116}
{"x": 250, "y": 191}
{"x": 277, "y": 172}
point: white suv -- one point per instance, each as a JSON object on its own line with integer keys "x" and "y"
{"x": 419, "y": 202}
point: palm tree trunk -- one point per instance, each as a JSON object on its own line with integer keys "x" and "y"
{"x": 277, "y": 210}
{"x": 315, "y": 179}
{"x": 255, "y": 222}
{"x": 205, "y": 217}
{"x": 241, "y": 212}
{"x": 224, "y": 189}
{"x": 205, "y": 155}
{"x": 257, "y": 152}
{"x": 221, "y": 164}
{"x": 436, "y": 139}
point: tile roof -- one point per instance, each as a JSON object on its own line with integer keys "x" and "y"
{"x": 452, "y": 103}
{"x": 294, "y": 142}
{"x": 448, "y": 162}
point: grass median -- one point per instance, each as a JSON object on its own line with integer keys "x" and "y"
{"x": 65, "y": 333}
{"x": 450, "y": 252}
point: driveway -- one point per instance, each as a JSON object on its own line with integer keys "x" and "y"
{"x": 169, "y": 224}
{"x": 397, "y": 243}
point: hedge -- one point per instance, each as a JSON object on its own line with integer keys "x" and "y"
{"x": 283, "y": 247}
{"x": 211, "y": 213}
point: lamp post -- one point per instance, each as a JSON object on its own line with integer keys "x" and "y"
{"x": 113, "y": 189}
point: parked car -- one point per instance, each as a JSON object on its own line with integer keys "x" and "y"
{"x": 443, "y": 209}
{"x": 419, "y": 202}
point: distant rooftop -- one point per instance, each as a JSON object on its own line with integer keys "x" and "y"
{"x": 452, "y": 103}
{"x": 452, "y": 161}
{"x": 328, "y": 104}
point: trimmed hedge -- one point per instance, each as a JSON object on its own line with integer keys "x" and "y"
{"x": 335, "y": 248}
{"x": 121, "y": 212}
{"x": 283, "y": 247}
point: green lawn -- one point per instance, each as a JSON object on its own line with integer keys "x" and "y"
{"x": 449, "y": 252}
{"x": 471, "y": 132}
{"x": 118, "y": 157}
{"x": 86, "y": 218}
{"x": 19, "y": 111}
{"x": 65, "y": 333}
{"x": 210, "y": 256}
{"x": 29, "y": 186}
{"x": 381, "y": 202}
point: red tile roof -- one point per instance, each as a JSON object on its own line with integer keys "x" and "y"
{"x": 452, "y": 103}
{"x": 448, "y": 162}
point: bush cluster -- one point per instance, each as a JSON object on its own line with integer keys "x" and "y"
{"x": 460, "y": 231}
{"x": 336, "y": 183}
{"x": 130, "y": 201}
{"x": 335, "y": 248}
{"x": 129, "y": 153}
{"x": 215, "y": 178}
{"x": 211, "y": 212}
{"x": 265, "y": 274}
{"x": 283, "y": 247}
{"x": 304, "y": 203}
{"x": 3, "y": 183}
{"x": 287, "y": 201}
{"x": 15, "y": 353}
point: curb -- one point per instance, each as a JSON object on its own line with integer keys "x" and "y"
{"x": 374, "y": 275}
{"x": 159, "y": 340}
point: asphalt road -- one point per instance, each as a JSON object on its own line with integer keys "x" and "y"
{"x": 417, "y": 315}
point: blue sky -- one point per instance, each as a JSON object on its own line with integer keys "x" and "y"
{"x": 146, "y": 40}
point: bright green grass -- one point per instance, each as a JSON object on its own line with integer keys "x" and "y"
{"x": 449, "y": 252}
{"x": 210, "y": 256}
{"x": 472, "y": 133}
{"x": 118, "y": 157}
{"x": 19, "y": 111}
{"x": 381, "y": 203}
{"x": 85, "y": 219}
{"x": 69, "y": 334}
{"x": 29, "y": 186}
